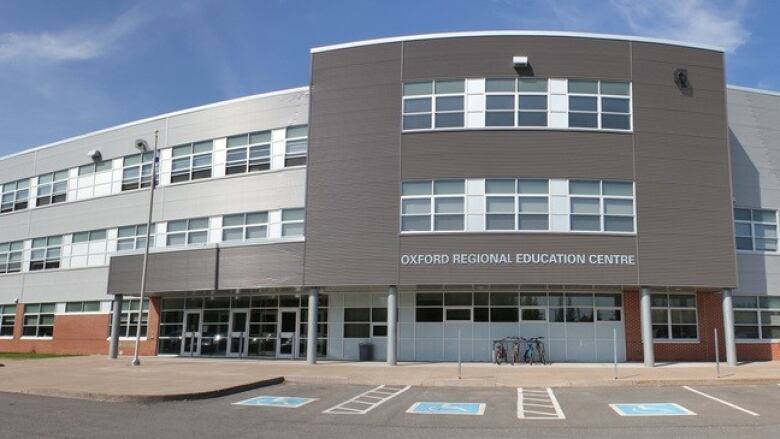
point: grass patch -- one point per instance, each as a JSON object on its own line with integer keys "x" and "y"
{"x": 30, "y": 355}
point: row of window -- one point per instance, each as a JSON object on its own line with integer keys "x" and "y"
{"x": 517, "y": 205}
{"x": 516, "y": 102}
{"x": 757, "y": 317}
{"x": 755, "y": 229}
{"x": 245, "y": 153}
{"x": 91, "y": 248}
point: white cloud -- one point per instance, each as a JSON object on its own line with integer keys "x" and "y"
{"x": 699, "y": 21}
{"x": 69, "y": 45}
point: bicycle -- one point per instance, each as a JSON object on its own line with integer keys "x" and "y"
{"x": 499, "y": 351}
{"x": 539, "y": 347}
{"x": 528, "y": 353}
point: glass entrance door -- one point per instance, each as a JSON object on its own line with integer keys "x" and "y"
{"x": 239, "y": 333}
{"x": 287, "y": 346}
{"x": 190, "y": 345}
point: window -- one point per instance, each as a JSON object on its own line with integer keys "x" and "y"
{"x": 128, "y": 319}
{"x": 245, "y": 226}
{"x": 7, "y": 320}
{"x": 15, "y": 196}
{"x": 89, "y": 306}
{"x": 757, "y": 317}
{"x": 500, "y": 97}
{"x": 457, "y": 307}
{"x": 186, "y": 232}
{"x": 365, "y": 322}
{"x": 433, "y": 104}
{"x": 191, "y": 161}
{"x": 599, "y": 104}
{"x": 755, "y": 229}
{"x": 533, "y": 307}
{"x": 46, "y": 253}
{"x": 296, "y": 146}
{"x": 248, "y": 153}
{"x": 606, "y": 206}
{"x": 430, "y": 307}
{"x": 433, "y": 205}
{"x": 292, "y": 222}
{"x": 11, "y": 257}
{"x": 516, "y": 204}
{"x": 94, "y": 168}
{"x": 52, "y": 188}
{"x": 88, "y": 249}
{"x": 137, "y": 171}
{"x": 532, "y": 102}
{"x": 133, "y": 237}
{"x": 38, "y": 320}
{"x": 674, "y": 316}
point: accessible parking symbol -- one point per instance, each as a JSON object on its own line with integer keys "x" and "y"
{"x": 448, "y": 408}
{"x": 290, "y": 402}
{"x": 651, "y": 409}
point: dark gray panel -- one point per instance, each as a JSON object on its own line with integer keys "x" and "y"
{"x": 513, "y": 273}
{"x": 475, "y": 57}
{"x": 547, "y": 154}
{"x": 353, "y": 168}
{"x": 184, "y": 270}
{"x": 265, "y": 265}
{"x": 684, "y": 219}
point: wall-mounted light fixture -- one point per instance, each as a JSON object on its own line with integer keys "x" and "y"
{"x": 95, "y": 155}
{"x": 681, "y": 79}
{"x": 520, "y": 62}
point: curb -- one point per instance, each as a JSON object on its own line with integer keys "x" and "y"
{"x": 104, "y": 397}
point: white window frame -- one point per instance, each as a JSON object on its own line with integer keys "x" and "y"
{"x": 8, "y": 319}
{"x": 143, "y": 169}
{"x": 602, "y": 206}
{"x": 433, "y": 96}
{"x": 18, "y": 192}
{"x": 599, "y": 112}
{"x": 753, "y": 224}
{"x": 295, "y": 156}
{"x": 191, "y": 170}
{"x": 758, "y": 309}
{"x": 38, "y": 317}
{"x": 188, "y": 232}
{"x": 432, "y": 198}
{"x": 289, "y": 222}
{"x": 126, "y": 319}
{"x": 247, "y": 162}
{"x": 244, "y": 227}
{"x": 82, "y": 305}
{"x": 137, "y": 239}
{"x": 96, "y": 248}
{"x": 11, "y": 252}
{"x": 56, "y": 188}
{"x": 669, "y": 324}
{"x": 47, "y": 248}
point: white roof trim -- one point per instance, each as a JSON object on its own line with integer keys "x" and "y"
{"x": 753, "y": 90}
{"x": 158, "y": 117}
{"x": 539, "y": 33}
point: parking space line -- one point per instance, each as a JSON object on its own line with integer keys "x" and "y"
{"x": 734, "y": 406}
{"x": 387, "y": 393}
{"x": 539, "y": 404}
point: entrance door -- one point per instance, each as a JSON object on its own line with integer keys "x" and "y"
{"x": 239, "y": 333}
{"x": 287, "y": 347}
{"x": 190, "y": 345}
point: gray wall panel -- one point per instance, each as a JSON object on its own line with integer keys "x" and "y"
{"x": 266, "y": 265}
{"x": 66, "y": 285}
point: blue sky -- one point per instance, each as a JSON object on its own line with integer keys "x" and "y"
{"x": 70, "y": 67}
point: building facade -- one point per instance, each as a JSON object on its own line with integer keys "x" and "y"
{"x": 425, "y": 194}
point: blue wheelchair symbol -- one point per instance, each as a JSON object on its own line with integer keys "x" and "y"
{"x": 447, "y": 408}
{"x": 292, "y": 402}
{"x": 651, "y": 409}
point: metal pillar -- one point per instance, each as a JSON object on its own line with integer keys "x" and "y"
{"x": 392, "y": 325}
{"x": 645, "y": 318}
{"x": 311, "y": 341}
{"x": 728, "y": 327}
{"x": 113, "y": 344}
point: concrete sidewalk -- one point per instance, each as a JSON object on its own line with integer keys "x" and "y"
{"x": 161, "y": 378}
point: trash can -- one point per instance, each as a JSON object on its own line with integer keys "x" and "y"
{"x": 366, "y": 352}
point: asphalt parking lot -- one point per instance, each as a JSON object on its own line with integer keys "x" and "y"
{"x": 311, "y": 410}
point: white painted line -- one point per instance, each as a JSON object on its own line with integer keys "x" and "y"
{"x": 342, "y": 409}
{"x": 734, "y": 406}
{"x": 537, "y": 400}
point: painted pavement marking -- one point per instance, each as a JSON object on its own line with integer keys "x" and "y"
{"x": 726, "y": 403}
{"x": 651, "y": 409}
{"x": 538, "y": 404}
{"x": 448, "y": 408}
{"x": 290, "y": 402}
{"x": 367, "y": 401}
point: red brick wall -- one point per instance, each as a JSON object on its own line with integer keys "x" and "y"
{"x": 710, "y": 314}
{"x": 82, "y": 334}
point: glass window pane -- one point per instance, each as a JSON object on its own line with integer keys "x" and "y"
{"x": 768, "y": 302}
{"x": 532, "y": 204}
{"x": 257, "y": 218}
{"x": 742, "y": 214}
{"x": 745, "y": 301}
{"x": 448, "y": 120}
{"x": 607, "y": 300}
{"x": 418, "y": 206}
{"x": 615, "y": 122}
{"x": 531, "y": 102}
{"x": 446, "y": 187}
{"x": 234, "y": 141}
{"x": 582, "y": 103}
{"x": 198, "y": 223}
{"x": 457, "y": 299}
{"x": 765, "y": 231}
{"x": 585, "y": 205}
{"x": 743, "y": 229}
{"x": 264, "y": 136}
{"x": 744, "y": 244}
{"x": 419, "y": 105}
{"x": 532, "y": 222}
{"x": 532, "y": 186}
{"x": 503, "y": 186}
{"x": 181, "y": 150}
{"x": 416, "y": 223}
{"x": 451, "y": 86}
{"x": 500, "y": 205}
{"x": 618, "y": 224}
{"x": 683, "y": 316}
{"x": 416, "y": 188}
{"x": 584, "y": 187}
{"x": 532, "y": 84}
{"x": 504, "y": 314}
{"x": 659, "y": 300}
{"x": 583, "y": 120}
{"x": 500, "y": 85}
{"x": 80, "y": 237}
{"x": 614, "y": 88}
{"x": 257, "y": 232}
{"x": 504, "y": 299}
{"x": 532, "y": 119}
{"x": 417, "y": 122}
{"x": 500, "y": 222}
{"x": 583, "y": 86}
{"x": 233, "y": 220}
{"x": 743, "y": 317}
{"x": 500, "y": 102}
{"x": 619, "y": 207}
{"x": 429, "y": 299}
{"x": 448, "y": 222}
{"x": 236, "y": 234}
{"x": 202, "y": 147}
{"x": 292, "y": 214}
{"x": 499, "y": 119}
{"x": 614, "y": 105}
{"x": 618, "y": 188}
{"x": 533, "y": 299}
{"x": 682, "y": 300}
{"x": 764, "y": 216}
{"x": 418, "y": 88}
{"x": 585, "y": 223}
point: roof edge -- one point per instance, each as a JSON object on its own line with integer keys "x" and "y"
{"x": 539, "y": 33}
{"x": 154, "y": 118}
{"x": 753, "y": 90}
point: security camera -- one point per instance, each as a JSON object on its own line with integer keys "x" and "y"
{"x": 141, "y": 145}
{"x": 94, "y": 154}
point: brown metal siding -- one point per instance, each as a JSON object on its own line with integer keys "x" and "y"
{"x": 685, "y": 232}
{"x": 264, "y": 265}
{"x": 169, "y": 271}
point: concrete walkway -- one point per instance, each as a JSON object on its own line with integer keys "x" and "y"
{"x": 159, "y": 378}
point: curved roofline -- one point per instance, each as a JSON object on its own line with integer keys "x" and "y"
{"x": 493, "y": 33}
{"x": 158, "y": 117}
{"x": 754, "y": 90}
